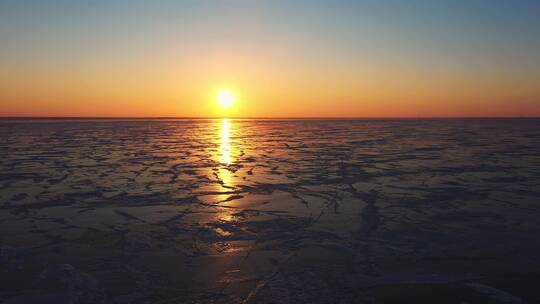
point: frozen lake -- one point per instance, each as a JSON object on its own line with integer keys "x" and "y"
{"x": 270, "y": 211}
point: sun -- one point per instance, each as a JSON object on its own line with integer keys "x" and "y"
{"x": 225, "y": 99}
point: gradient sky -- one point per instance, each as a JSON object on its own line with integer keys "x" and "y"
{"x": 281, "y": 58}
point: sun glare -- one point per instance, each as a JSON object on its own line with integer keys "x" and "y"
{"x": 225, "y": 99}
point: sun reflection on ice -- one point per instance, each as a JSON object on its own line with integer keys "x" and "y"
{"x": 225, "y": 142}
{"x": 226, "y": 152}
{"x": 226, "y": 158}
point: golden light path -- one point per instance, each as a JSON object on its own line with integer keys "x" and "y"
{"x": 225, "y": 141}
{"x": 225, "y": 157}
{"x": 225, "y": 151}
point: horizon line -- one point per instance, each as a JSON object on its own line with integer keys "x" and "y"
{"x": 263, "y": 117}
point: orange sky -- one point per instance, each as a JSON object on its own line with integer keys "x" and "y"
{"x": 280, "y": 60}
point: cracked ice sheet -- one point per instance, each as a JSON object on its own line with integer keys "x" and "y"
{"x": 212, "y": 211}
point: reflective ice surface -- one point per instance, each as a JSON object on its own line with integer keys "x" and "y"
{"x": 269, "y": 211}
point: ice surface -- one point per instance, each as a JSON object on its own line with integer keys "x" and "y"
{"x": 270, "y": 211}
